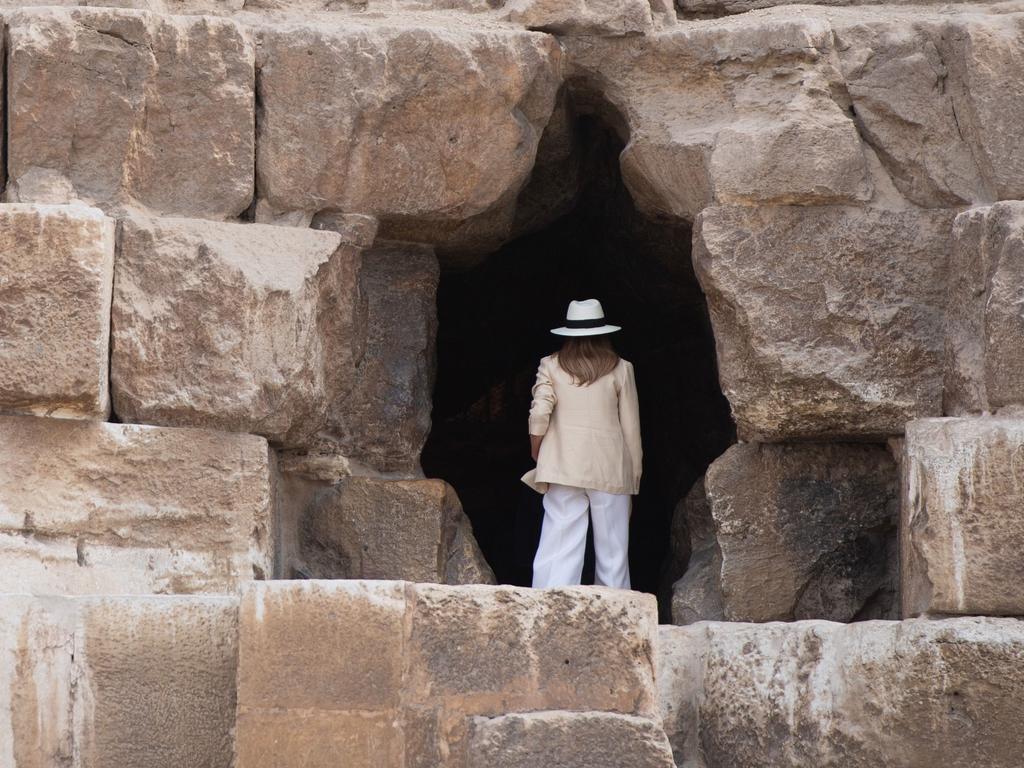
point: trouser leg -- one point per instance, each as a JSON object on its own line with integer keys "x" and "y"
{"x": 610, "y": 513}
{"x": 563, "y": 538}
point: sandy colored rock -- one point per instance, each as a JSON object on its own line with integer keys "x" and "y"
{"x": 89, "y": 507}
{"x": 415, "y": 663}
{"x": 696, "y": 591}
{"x": 384, "y": 419}
{"x": 583, "y": 17}
{"x": 764, "y": 128}
{"x": 984, "y": 328}
{"x": 57, "y": 264}
{"x": 828, "y": 322}
{"x": 908, "y": 694}
{"x": 570, "y": 739}
{"x": 960, "y": 528}
{"x": 423, "y": 126}
{"x": 123, "y": 108}
{"x": 128, "y": 681}
{"x": 239, "y": 327}
{"x": 413, "y": 530}
{"x": 801, "y": 531}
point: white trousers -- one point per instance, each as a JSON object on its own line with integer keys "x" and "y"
{"x": 563, "y": 538}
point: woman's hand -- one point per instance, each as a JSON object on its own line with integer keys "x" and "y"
{"x": 535, "y": 441}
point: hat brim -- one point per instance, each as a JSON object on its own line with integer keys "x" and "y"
{"x": 598, "y": 331}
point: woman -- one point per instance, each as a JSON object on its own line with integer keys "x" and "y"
{"x": 585, "y": 438}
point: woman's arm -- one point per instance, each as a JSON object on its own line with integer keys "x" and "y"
{"x": 629, "y": 419}
{"x": 541, "y": 407}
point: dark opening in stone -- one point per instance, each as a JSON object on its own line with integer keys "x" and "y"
{"x": 494, "y": 322}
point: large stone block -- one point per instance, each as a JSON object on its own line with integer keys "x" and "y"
{"x": 829, "y": 322}
{"x": 137, "y": 682}
{"x": 569, "y": 739}
{"x": 123, "y": 108}
{"x": 89, "y": 507}
{"x": 903, "y": 694}
{"x": 423, "y": 126}
{"x": 583, "y": 17}
{"x": 413, "y": 530}
{"x": 961, "y": 532}
{"x": 240, "y": 327}
{"x": 57, "y": 267}
{"x": 801, "y": 531}
{"x": 984, "y": 328}
{"x": 395, "y": 673}
{"x": 384, "y": 419}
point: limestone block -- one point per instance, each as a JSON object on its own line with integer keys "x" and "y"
{"x": 123, "y": 108}
{"x": 239, "y": 327}
{"x": 570, "y": 739}
{"x": 422, "y": 126}
{"x": 384, "y": 419}
{"x": 89, "y": 507}
{"x": 395, "y": 673}
{"x": 369, "y": 528}
{"x": 799, "y": 531}
{"x": 960, "y": 530}
{"x": 984, "y": 329}
{"x": 903, "y": 694}
{"x": 697, "y": 586}
{"x": 764, "y": 128}
{"x": 583, "y": 17}
{"x": 828, "y": 321}
{"x": 57, "y": 267}
{"x": 136, "y": 682}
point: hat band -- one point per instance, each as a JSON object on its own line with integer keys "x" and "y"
{"x": 594, "y": 323}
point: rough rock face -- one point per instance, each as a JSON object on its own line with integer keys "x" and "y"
{"x": 414, "y": 530}
{"x": 809, "y": 346}
{"x": 395, "y": 674}
{"x": 960, "y": 527}
{"x": 241, "y": 327}
{"x": 57, "y": 267}
{"x": 794, "y": 532}
{"x": 384, "y": 419}
{"x": 697, "y": 592}
{"x": 583, "y": 17}
{"x": 125, "y": 108}
{"x": 88, "y": 507}
{"x": 340, "y": 102}
{"x": 902, "y": 694}
{"x": 99, "y": 681}
{"x": 984, "y": 329}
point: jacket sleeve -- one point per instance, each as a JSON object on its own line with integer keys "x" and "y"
{"x": 629, "y": 419}
{"x": 543, "y": 401}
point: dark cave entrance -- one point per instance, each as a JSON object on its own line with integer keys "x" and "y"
{"x": 494, "y": 322}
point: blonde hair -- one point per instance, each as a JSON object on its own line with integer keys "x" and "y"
{"x": 587, "y": 358}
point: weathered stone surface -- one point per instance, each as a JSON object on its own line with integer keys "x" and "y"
{"x": 123, "y": 108}
{"x": 414, "y": 530}
{"x": 583, "y": 17}
{"x": 764, "y": 128}
{"x": 570, "y": 739}
{"x": 89, "y": 507}
{"x": 828, "y": 321}
{"x": 240, "y": 327}
{"x": 57, "y": 267}
{"x": 795, "y": 531}
{"x": 134, "y": 682}
{"x": 696, "y": 593}
{"x": 384, "y": 419}
{"x": 401, "y": 670}
{"x": 960, "y": 530}
{"x": 902, "y": 694}
{"x": 984, "y": 328}
{"x": 361, "y": 115}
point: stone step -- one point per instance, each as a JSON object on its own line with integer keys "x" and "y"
{"x": 900, "y": 694}
{"x": 961, "y": 529}
{"x": 92, "y": 507}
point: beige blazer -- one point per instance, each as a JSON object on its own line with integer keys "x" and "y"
{"x": 591, "y": 433}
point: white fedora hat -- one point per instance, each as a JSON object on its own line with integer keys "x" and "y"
{"x": 585, "y": 318}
